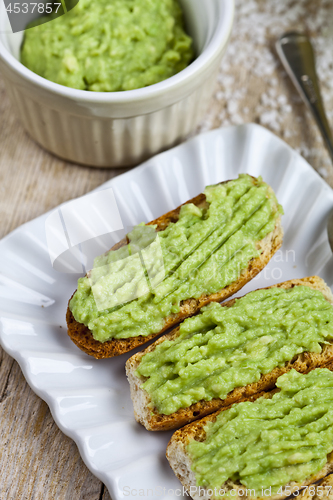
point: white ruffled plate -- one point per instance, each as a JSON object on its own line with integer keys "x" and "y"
{"x": 90, "y": 399}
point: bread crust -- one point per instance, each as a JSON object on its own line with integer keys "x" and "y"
{"x": 152, "y": 420}
{"x": 180, "y": 463}
{"x": 83, "y": 338}
{"x": 324, "y": 492}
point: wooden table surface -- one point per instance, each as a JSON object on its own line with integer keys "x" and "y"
{"x": 36, "y": 460}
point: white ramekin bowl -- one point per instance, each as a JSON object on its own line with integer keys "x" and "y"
{"x": 114, "y": 129}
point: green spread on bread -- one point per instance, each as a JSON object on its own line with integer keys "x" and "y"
{"x": 199, "y": 254}
{"x": 227, "y": 347}
{"x": 269, "y": 442}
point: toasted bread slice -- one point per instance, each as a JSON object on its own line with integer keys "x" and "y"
{"x": 180, "y": 463}
{"x": 154, "y": 421}
{"x": 323, "y": 490}
{"x": 83, "y": 338}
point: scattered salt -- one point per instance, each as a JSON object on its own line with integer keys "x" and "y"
{"x": 323, "y": 171}
{"x": 252, "y": 84}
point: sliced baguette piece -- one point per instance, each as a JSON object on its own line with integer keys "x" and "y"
{"x": 152, "y": 420}
{"x": 180, "y": 463}
{"x": 323, "y": 490}
{"x": 83, "y": 338}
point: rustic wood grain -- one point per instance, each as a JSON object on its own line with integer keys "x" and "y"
{"x": 36, "y": 460}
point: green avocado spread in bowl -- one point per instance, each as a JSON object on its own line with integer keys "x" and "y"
{"x": 110, "y": 45}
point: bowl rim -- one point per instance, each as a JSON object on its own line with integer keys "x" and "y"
{"x": 200, "y": 64}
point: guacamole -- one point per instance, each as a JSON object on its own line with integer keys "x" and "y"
{"x": 228, "y": 347}
{"x": 270, "y": 442}
{"x": 110, "y": 45}
{"x": 201, "y": 253}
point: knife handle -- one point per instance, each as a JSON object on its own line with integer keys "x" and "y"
{"x": 297, "y": 56}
